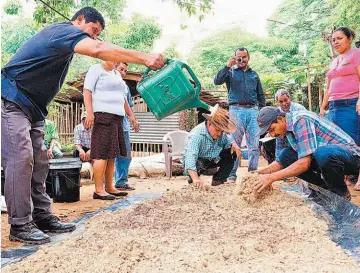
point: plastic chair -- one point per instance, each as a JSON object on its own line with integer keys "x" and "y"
{"x": 178, "y": 140}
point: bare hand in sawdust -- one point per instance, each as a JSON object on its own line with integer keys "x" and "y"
{"x": 198, "y": 183}
{"x": 265, "y": 182}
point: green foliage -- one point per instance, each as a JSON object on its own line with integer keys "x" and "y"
{"x": 171, "y": 53}
{"x": 268, "y": 56}
{"x": 139, "y": 34}
{"x": 111, "y": 9}
{"x": 45, "y": 16}
{"x": 17, "y": 32}
{"x": 67, "y": 147}
{"x": 195, "y": 7}
{"x": 12, "y": 7}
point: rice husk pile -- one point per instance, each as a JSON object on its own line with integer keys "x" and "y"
{"x": 199, "y": 231}
{"x": 246, "y": 189}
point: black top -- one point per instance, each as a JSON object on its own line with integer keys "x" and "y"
{"x": 37, "y": 71}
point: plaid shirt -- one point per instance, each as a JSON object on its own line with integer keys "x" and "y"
{"x": 202, "y": 145}
{"x": 82, "y": 136}
{"x": 307, "y": 131}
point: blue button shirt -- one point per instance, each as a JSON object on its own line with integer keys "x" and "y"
{"x": 38, "y": 69}
{"x": 202, "y": 145}
{"x": 244, "y": 87}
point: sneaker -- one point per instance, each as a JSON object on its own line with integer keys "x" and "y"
{"x": 216, "y": 182}
{"x": 125, "y": 187}
{"x": 28, "y": 234}
{"x": 53, "y": 224}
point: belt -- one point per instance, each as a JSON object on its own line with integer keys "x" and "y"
{"x": 243, "y": 105}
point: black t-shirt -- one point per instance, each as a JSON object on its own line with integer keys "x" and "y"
{"x": 37, "y": 71}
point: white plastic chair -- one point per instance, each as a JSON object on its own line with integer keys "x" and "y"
{"x": 178, "y": 140}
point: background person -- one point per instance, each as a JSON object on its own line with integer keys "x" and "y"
{"x": 342, "y": 90}
{"x": 122, "y": 164}
{"x": 209, "y": 147}
{"x": 29, "y": 82}
{"x": 245, "y": 97}
{"x": 82, "y": 140}
{"x": 283, "y": 99}
{"x": 312, "y": 149}
{"x": 106, "y": 105}
{"x": 51, "y": 140}
{"x": 343, "y": 81}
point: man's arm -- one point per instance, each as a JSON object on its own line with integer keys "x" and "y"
{"x": 260, "y": 94}
{"x": 222, "y": 76}
{"x": 110, "y": 52}
{"x": 132, "y": 118}
{"x": 273, "y": 167}
{"x": 298, "y": 167}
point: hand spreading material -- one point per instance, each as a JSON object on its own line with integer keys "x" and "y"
{"x": 246, "y": 189}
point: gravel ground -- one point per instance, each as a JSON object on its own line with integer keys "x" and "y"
{"x": 221, "y": 229}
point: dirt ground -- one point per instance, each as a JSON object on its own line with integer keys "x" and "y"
{"x": 191, "y": 230}
{"x": 72, "y": 211}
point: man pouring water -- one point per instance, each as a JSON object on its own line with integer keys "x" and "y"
{"x": 246, "y": 96}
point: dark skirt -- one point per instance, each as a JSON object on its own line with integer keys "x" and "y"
{"x": 107, "y": 139}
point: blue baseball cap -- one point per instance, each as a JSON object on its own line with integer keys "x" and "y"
{"x": 266, "y": 117}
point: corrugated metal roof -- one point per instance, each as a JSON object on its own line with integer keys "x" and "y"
{"x": 152, "y": 130}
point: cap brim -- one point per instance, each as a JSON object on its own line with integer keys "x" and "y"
{"x": 263, "y": 130}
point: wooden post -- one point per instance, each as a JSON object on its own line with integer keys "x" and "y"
{"x": 309, "y": 87}
{"x": 320, "y": 96}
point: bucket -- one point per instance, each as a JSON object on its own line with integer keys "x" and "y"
{"x": 267, "y": 148}
{"x": 63, "y": 180}
{"x": 169, "y": 91}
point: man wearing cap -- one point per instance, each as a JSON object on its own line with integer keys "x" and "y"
{"x": 82, "y": 139}
{"x": 311, "y": 148}
{"x": 283, "y": 98}
{"x": 246, "y": 96}
{"x": 209, "y": 147}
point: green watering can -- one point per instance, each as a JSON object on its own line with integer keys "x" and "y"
{"x": 169, "y": 91}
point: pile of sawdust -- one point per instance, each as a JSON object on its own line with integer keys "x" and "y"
{"x": 246, "y": 189}
{"x": 196, "y": 231}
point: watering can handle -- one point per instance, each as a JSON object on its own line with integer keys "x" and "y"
{"x": 146, "y": 72}
{"x": 193, "y": 76}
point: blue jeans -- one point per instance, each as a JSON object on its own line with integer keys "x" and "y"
{"x": 246, "y": 124}
{"x": 343, "y": 114}
{"x": 122, "y": 164}
{"x": 328, "y": 167}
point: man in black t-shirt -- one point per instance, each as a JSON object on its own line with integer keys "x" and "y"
{"x": 29, "y": 82}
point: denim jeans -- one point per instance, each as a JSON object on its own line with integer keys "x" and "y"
{"x": 225, "y": 165}
{"x": 343, "y": 114}
{"x": 122, "y": 164}
{"x": 246, "y": 123}
{"x": 328, "y": 167}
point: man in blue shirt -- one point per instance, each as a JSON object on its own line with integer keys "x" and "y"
{"x": 246, "y": 96}
{"x": 29, "y": 82}
{"x": 209, "y": 147}
{"x": 122, "y": 164}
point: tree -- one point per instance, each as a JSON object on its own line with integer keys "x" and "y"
{"x": 17, "y": 32}
{"x": 171, "y": 52}
{"x": 195, "y": 7}
{"x": 12, "y": 7}
{"x": 268, "y": 56}
{"x": 45, "y": 15}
